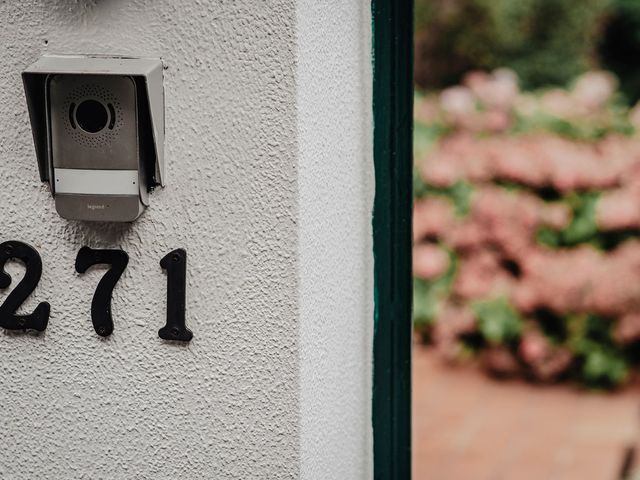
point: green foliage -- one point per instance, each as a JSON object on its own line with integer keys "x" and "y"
{"x": 619, "y": 47}
{"x": 428, "y": 294}
{"x": 602, "y": 363}
{"x": 452, "y": 36}
{"x": 420, "y": 189}
{"x": 498, "y": 321}
{"x": 547, "y": 42}
{"x": 617, "y": 122}
{"x": 583, "y": 227}
{"x": 459, "y": 193}
{"x": 425, "y": 137}
{"x": 603, "y": 367}
{"x": 424, "y": 303}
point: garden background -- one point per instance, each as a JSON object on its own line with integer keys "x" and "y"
{"x": 527, "y": 187}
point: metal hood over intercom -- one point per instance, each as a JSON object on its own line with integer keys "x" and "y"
{"x": 98, "y": 129}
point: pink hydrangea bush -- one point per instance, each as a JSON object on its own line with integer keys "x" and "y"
{"x": 527, "y": 229}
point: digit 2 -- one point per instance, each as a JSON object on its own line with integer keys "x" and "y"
{"x": 175, "y": 263}
{"x": 101, "y": 303}
{"x": 37, "y": 320}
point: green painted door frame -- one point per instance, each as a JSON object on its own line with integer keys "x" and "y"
{"x": 393, "y": 127}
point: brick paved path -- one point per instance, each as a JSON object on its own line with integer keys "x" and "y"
{"x": 468, "y": 426}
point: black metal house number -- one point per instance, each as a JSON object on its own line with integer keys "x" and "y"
{"x": 101, "y": 303}
{"x": 28, "y": 255}
{"x": 175, "y": 264}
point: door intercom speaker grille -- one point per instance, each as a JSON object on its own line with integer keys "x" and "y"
{"x": 104, "y": 129}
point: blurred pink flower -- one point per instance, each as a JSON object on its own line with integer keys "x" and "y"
{"x": 452, "y": 322}
{"x": 545, "y": 360}
{"x": 476, "y": 80}
{"x": 500, "y": 361}
{"x": 534, "y": 347}
{"x": 619, "y": 209}
{"x": 524, "y": 296}
{"x": 432, "y": 217}
{"x": 593, "y": 90}
{"x": 555, "y": 364}
{"x": 534, "y": 160}
{"x": 441, "y": 170}
{"x": 465, "y": 236}
{"x": 560, "y": 280}
{"x": 496, "y": 120}
{"x": 555, "y": 215}
{"x": 559, "y": 103}
{"x": 580, "y": 279}
{"x": 427, "y": 110}
{"x": 496, "y": 91}
{"x": 517, "y": 160}
{"x": 626, "y": 329}
{"x": 429, "y": 261}
{"x": 457, "y": 103}
{"x": 480, "y": 275}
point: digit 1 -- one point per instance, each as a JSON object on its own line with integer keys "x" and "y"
{"x": 175, "y": 263}
{"x": 37, "y": 320}
{"x": 101, "y": 303}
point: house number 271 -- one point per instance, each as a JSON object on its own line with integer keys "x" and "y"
{"x": 175, "y": 264}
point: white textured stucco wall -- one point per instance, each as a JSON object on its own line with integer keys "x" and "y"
{"x": 269, "y": 190}
{"x": 335, "y": 269}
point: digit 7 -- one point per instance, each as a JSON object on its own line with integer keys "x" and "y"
{"x": 101, "y": 303}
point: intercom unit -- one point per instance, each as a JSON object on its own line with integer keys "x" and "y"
{"x": 98, "y": 129}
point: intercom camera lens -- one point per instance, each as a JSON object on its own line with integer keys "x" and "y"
{"x": 92, "y": 116}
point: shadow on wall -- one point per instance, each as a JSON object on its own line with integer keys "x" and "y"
{"x": 102, "y": 234}
{"x": 76, "y": 10}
